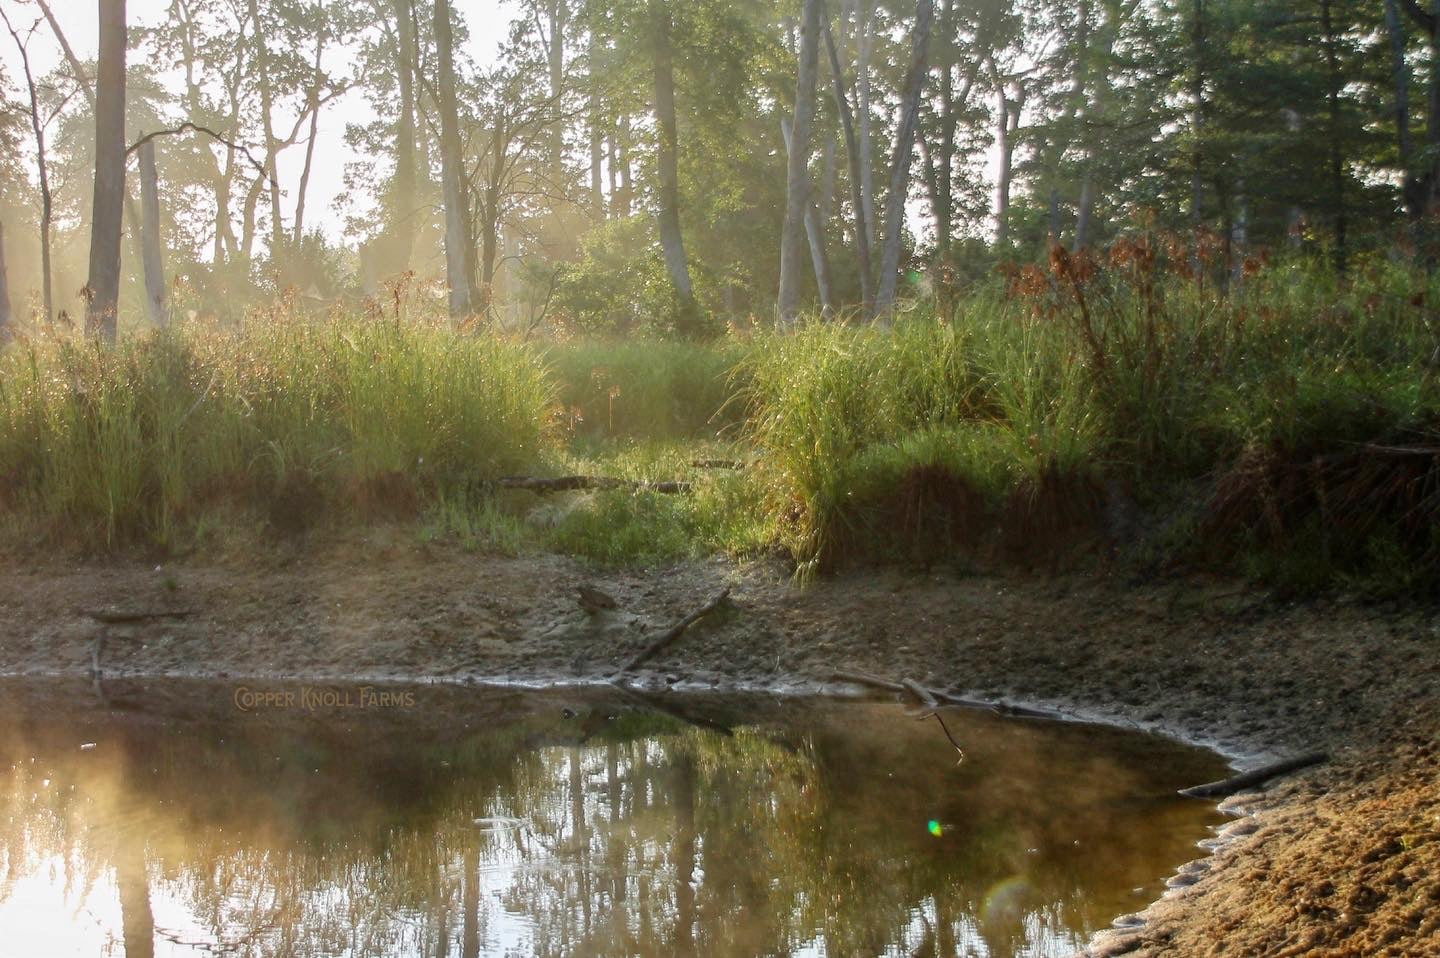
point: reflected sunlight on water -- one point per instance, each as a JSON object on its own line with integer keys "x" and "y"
{"x": 475, "y": 821}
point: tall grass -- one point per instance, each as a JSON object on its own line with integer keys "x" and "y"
{"x": 1017, "y": 420}
{"x": 648, "y": 388}
{"x": 285, "y": 416}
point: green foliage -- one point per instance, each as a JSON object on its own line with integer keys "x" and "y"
{"x": 654, "y": 389}
{"x": 285, "y": 415}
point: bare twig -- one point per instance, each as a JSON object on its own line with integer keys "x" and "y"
{"x": 116, "y": 617}
{"x": 187, "y": 127}
{"x": 573, "y": 483}
{"x": 673, "y": 633}
{"x": 1258, "y": 776}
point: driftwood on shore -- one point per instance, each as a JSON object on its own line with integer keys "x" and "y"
{"x": 119, "y": 617}
{"x": 934, "y": 698}
{"x": 1257, "y": 776}
{"x": 666, "y": 638}
{"x": 543, "y": 486}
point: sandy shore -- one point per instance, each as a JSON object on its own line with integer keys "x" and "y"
{"x": 1343, "y": 859}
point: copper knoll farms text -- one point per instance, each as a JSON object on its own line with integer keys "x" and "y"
{"x": 308, "y": 697}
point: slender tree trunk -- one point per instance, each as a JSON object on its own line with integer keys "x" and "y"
{"x": 944, "y": 199}
{"x": 865, "y": 33}
{"x": 627, "y": 176}
{"x": 1006, "y": 134}
{"x": 852, "y": 152}
{"x": 314, "y": 105}
{"x": 559, "y": 15}
{"x": 267, "y": 107}
{"x": 405, "y": 159}
{"x": 458, "y": 256}
{"x": 1400, "y": 74}
{"x": 900, "y": 161}
{"x": 152, "y": 251}
{"x": 108, "y": 210}
{"x": 797, "y": 168}
{"x": 1331, "y": 44}
{"x": 597, "y": 139}
{"x": 815, "y": 239}
{"x": 1197, "y": 111}
{"x": 47, "y": 200}
{"x": 671, "y": 240}
{"x": 5, "y": 315}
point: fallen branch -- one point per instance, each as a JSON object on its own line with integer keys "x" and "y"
{"x": 933, "y": 698}
{"x": 1259, "y": 776}
{"x": 574, "y": 483}
{"x": 673, "y": 633}
{"x": 115, "y": 617}
{"x": 717, "y": 464}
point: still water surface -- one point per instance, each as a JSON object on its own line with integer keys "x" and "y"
{"x": 189, "y": 818}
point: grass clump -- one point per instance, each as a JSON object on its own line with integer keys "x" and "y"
{"x": 645, "y": 389}
{"x": 288, "y": 418}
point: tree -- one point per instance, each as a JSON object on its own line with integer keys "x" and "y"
{"x": 797, "y": 175}
{"x": 152, "y": 250}
{"x": 904, "y": 148}
{"x": 667, "y": 163}
{"x": 459, "y": 250}
{"x": 107, "y": 218}
{"x": 47, "y": 201}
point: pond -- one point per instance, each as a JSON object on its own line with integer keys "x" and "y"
{"x": 199, "y": 818}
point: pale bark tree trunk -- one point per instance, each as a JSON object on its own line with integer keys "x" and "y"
{"x": 900, "y": 162}
{"x": 797, "y": 168}
{"x": 405, "y": 159}
{"x": 108, "y": 209}
{"x": 152, "y": 251}
{"x": 597, "y": 138}
{"x": 314, "y": 105}
{"x": 47, "y": 199}
{"x": 5, "y": 314}
{"x": 1330, "y": 41}
{"x": 852, "y": 152}
{"x": 1007, "y": 131}
{"x": 865, "y": 33}
{"x": 267, "y": 107}
{"x": 815, "y": 239}
{"x": 626, "y": 202}
{"x": 458, "y": 256}
{"x": 559, "y": 15}
{"x": 672, "y": 241}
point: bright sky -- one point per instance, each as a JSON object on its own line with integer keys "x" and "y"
{"x": 488, "y": 21}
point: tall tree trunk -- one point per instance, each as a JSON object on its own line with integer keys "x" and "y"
{"x": 865, "y": 34}
{"x": 1197, "y": 111}
{"x": 852, "y": 152}
{"x": 624, "y": 203}
{"x": 559, "y": 15}
{"x": 797, "y": 168}
{"x": 900, "y": 161}
{"x": 667, "y": 160}
{"x": 944, "y": 193}
{"x": 47, "y": 199}
{"x": 1007, "y": 131}
{"x": 5, "y": 315}
{"x": 1336, "y": 81}
{"x": 272, "y": 145}
{"x": 154, "y": 258}
{"x": 458, "y": 255}
{"x": 815, "y": 239}
{"x": 108, "y": 210}
{"x": 597, "y": 139}
{"x": 1400, "y": 74}
{"x": 405, "y": 158}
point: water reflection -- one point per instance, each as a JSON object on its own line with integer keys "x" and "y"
{"x": 498, "y": 823}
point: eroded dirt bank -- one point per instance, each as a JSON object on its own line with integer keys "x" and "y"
{"x": 1343, "y": 859}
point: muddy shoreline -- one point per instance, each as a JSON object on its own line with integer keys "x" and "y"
{"x": 1342, "y": 859}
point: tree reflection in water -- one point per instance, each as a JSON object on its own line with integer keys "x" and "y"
{"x": 485, "y": 822}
